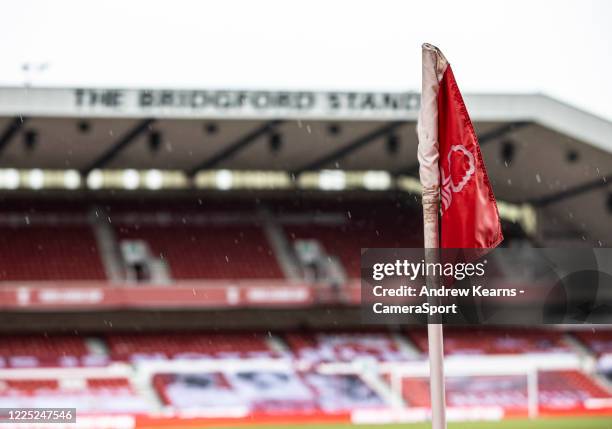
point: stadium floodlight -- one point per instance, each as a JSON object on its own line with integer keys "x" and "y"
{"x": 130, "y": 179}
{"x": 72, "y": 179}
{"x": 332, "y": 180}
{"x": 9, "y": 178}
{"x": 36, "y": 178}
{"x": 224, "y": 179}
{"x": 95, "y": 179}
{"x": 409, "y": 184}
{"x": 376, "y": 180}
{"x": 239, "y": 179}
{"x": 154, "y": 179}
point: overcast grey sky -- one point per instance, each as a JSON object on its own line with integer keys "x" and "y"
{"x": 561, "y": 48}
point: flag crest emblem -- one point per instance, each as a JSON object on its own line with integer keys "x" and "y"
{"x": 449, "y": 183}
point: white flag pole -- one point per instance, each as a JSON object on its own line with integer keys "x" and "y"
{"x": 434, "y": 65}
{"x": 436, "y": 376}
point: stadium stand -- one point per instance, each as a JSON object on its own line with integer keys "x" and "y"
{"x": 256, "y": 391}
{"x": 599, "y": 341}
{"x": 42, "y": 349}
{"x": 345, "y": 346}
{"x": 357, "y": 225}
{"x": 128, "y": 347}
{"x": 219, "y": 239}
{"x": 557, "y": 390}
{"x": 49, "y": 351}
{"x": 60, "y": 252}
{"x": 111, "y": 395}
{"x": 326, "y": 371}
{"x": 297, "y": 380}
{"x": 213, "y": 252}
{"x": 267, "y": 391}
{"x": 464, "y": 341}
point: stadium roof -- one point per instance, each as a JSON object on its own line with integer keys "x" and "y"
{"x": 538, "y": 150}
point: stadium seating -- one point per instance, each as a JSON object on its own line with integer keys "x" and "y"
{"x": 191, "y": 246}
{"x": 86, "y": 395}
{"x": 362, "y": 224}
{"x": 209, "y": 252}
{"x": 41, "y": 350}
{"x": 261, "y": 391}
{"x": 599, "y": 341}
{"x": 294, "y": 386}
{"x": 58, "y": 252}
{"x": 128, "y": 347}
{"x": 269, "y": 392}
{"x": 557, "y": 390}
{"x": 458, "y": 341}
{"x": 344, "y": 346}
{"x": 233, "y": 247}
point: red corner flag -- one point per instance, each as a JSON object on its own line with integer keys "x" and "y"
{"x": 470, "y": 219}
{"x": 452, "y": 173}
{"x": 451, "y": 163}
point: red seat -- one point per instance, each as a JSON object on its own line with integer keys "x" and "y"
{"x": 173, "y": 345}
{"x": 209, "y": 252}
{"x": 42, "y": 347}
{"x": 345, "y": 241}
{"x": 87, "y": 395}
{"x": 344, "y": 346}
{"x": 49, "y": 253}
{"x": 599, "y": 340}
{"x": 494, "y": 341}
{"x": 558, "y": 390}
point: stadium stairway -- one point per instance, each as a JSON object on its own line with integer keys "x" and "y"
{"x": 108, "y": 246}
{"x": 406, "y": 346}
{"x": 580, "y": 349}
{"x": 280, "y": 245}
{"x": 276, "y": 344}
